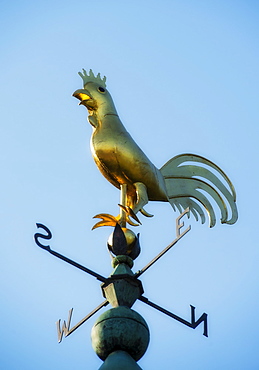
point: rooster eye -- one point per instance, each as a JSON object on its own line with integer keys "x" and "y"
{"x": 101, "y": 89}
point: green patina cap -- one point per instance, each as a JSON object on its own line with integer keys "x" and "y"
{"x": 120, "y": 329}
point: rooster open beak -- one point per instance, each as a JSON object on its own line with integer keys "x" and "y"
{"x": 85, "y": 99}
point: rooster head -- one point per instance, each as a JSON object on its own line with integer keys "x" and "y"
{"x": 94, "y": 96}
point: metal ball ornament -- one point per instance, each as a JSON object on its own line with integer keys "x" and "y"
{"x": 123, "y": 241}
{"x": 120, "y": 328}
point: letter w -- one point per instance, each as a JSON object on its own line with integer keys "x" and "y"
{"x": 65, "y": 327}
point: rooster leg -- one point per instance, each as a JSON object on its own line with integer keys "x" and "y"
{"x": 125, "y": 213}
{"x": 126, "y": 203}
{"x": 142, "y": 199}
{"x": 129, "y": 206}
{"x": 135, "y": 205}
{"x": 123, "y": 202}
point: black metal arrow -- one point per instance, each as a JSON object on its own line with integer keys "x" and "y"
{"x": 58, "y": 255}
{"x": 193, "y": 324}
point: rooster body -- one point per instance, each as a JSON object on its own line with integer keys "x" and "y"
{"x": 121, "y": 161}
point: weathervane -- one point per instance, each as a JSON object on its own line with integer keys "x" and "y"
{"x": 121, "y": 335}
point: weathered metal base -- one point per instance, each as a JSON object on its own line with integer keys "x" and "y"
{"x": 120, "y": 328}
{"x": 119, "y": 360}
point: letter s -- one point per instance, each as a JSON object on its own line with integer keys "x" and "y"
{"x": 43, "y": 236}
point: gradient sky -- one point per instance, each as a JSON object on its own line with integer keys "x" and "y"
{"x": 184, "y": 78}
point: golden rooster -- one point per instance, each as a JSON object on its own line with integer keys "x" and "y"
{"x": 125, "y": 165}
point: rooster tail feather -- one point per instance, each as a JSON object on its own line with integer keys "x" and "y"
{"x": 186, "y": 184}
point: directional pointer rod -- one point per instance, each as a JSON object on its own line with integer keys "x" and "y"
{"x": 179, "y": 235}
{"x": 66, "y": 326}
{"x": 193, "y": 324}
{"x": 58, "y": 255}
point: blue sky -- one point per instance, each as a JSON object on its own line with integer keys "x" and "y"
{"x": 184, "y": 78}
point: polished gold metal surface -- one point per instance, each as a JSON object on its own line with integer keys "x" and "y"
{"x": 124, "y": 165}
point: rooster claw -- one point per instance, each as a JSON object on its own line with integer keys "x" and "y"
{"x": 145, "y": 213}
{"x": 130, "y": 213}
{"x": 107, "y": 220}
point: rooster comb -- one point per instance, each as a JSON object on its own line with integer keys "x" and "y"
{"x": 92, "y": 78}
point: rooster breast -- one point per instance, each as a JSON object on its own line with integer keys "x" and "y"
{"x": 121, "y": 161}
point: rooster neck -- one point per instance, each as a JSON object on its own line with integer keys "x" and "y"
{"x": 105, "y": 108}
{"x": 108, "y": 123}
